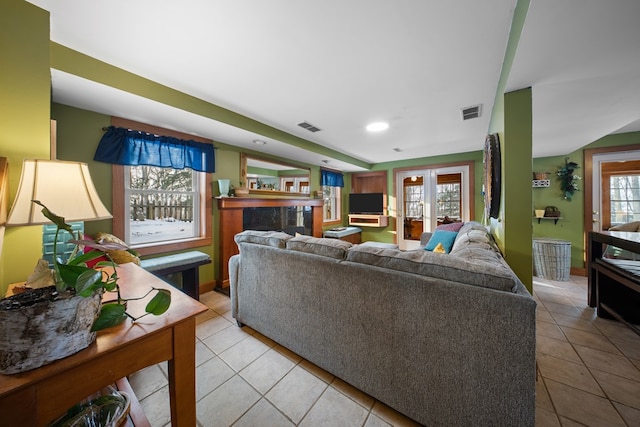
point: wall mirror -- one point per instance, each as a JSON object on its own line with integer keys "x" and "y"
{"x": 270, "y": 177}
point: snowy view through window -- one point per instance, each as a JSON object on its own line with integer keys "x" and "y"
{"x": 164, "y": 204}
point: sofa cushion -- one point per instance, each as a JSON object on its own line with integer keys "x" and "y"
{"x": 453, "y": 226}
{"x": 277, "y": 239}
{"x": 478, "y": 272}
{"x": 474, "y": 234}
{"x": 332, "y": 248}
{"x": 444, "y": 237}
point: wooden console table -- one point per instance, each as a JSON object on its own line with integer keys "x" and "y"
{"x": 614, "y": 283}
{"x": 39, "y": 396}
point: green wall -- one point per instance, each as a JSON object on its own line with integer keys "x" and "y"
{"x": 78, "y": 133}
{"x": 24, "y": 120}
{"x": 571, "y": 226}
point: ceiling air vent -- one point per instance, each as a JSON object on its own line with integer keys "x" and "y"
{"x": 472, "y": 112}
{"x": 308, "y": 126}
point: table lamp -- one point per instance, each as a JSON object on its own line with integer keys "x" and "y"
{"x": 64, "y": 187}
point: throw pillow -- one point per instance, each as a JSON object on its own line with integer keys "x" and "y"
{"x": 439, "y": 249}
{"x": 441, "y": 236}
{"x": 452, "y": 226}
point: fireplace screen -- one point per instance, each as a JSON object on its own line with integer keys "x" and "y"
{"x": 290, "y": 219}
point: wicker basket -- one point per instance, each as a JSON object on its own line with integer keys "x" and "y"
{"x": 552, "y": 259}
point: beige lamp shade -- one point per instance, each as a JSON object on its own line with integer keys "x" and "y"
{"x": 64, "y": 187}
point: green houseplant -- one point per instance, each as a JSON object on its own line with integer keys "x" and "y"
{"x": 62, "y": 314}
{"x": 85, "y": 281}
{"x": 568, "y": 178}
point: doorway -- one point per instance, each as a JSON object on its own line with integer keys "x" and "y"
{"x": 612, "y": 195}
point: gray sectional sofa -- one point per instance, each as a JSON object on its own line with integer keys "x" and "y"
{"x": 446, "y": 339}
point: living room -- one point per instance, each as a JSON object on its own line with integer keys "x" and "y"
{"x": 28, "y": 109}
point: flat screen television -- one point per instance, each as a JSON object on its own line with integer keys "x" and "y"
{"x": 366, "y": 203}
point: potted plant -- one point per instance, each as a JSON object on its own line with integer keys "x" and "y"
{"x": 62, "y": 313}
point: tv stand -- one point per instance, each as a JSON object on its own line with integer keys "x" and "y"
{"x": 368, "y": 220}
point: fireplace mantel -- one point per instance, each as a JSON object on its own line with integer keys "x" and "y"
{"x": 260, "y": 202}
{"x": 230, "y": 216}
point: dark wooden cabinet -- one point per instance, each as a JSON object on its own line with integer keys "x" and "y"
{"x": 613, "y": 266}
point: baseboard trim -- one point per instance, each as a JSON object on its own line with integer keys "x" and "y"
{"x": 575, "y": 271}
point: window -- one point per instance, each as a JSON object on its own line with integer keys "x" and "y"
{"x": 625, "y": 198}
{"x": 161, "y": 209}
{"x": 448, "y": 197}
{"x": 332, "y": 183}
{"x": 163, "y": 204}
{"x": 332, "y": 208}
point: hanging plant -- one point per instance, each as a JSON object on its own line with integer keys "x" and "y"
{"x": 568, "y": 179}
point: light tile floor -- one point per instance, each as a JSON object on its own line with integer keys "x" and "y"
{"x": 588, "y": 373}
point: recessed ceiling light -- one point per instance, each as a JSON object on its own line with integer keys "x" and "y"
{"x": 259, "y": 142}
{"x": 377, "y": 126}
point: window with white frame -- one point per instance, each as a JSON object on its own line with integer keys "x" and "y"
{"x": 331, "y": 208}
{"x": 164, "y": 204}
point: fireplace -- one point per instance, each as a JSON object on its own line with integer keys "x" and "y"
{"x": 290, "y": 219}
{"x": 236, "y": 214}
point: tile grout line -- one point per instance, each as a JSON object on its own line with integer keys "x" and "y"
{"x": 589, "y": 369}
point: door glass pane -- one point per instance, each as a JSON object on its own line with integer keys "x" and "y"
{"x": 413, "y": 207}
{"x": 625, "y": 199}
{"x": 449, "y": 197}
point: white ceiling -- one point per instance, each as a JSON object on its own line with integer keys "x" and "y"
{"x": 341, "y": 64}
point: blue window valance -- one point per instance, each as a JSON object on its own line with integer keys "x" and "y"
{"x": 331, "y": 179}
{"x": 133, "y": 148}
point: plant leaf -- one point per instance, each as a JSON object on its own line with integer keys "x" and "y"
{"x": 88, "y": 256}
{"x": 159, "y": 303}
{"x": 104, "y": 247}
{"x": 70, "y": 273}
{"x": 110, "y": 315}
{"x": 88, "y": 282}
{"x": 56, "y": 219}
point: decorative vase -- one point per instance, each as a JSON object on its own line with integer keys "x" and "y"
{"x": 223, "y": 185}
{"x": 41, "y": 326}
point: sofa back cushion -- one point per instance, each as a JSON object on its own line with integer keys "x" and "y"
{"x": 473, "y": 234}
{"x": 332, "y": 248}
{"x": 276, "y": 239}
{"x": 478, "y": 272}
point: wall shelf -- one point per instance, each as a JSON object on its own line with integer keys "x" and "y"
{"x": 541, "y": 183}
{"x": 368, "y": 220}
{"x": 553, "y": 218}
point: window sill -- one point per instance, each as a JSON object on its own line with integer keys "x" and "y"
{"x": 150, "y": 249}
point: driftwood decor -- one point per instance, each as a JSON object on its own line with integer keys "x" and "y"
{"x": 41, "y": 326}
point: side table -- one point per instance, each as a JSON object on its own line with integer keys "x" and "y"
{"x": 39, "y": 396}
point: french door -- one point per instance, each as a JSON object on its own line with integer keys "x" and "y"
{"x": 427, "y": 197}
